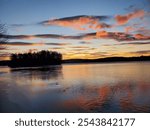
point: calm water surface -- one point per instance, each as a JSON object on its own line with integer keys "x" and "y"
{"x": 112, "y": 87}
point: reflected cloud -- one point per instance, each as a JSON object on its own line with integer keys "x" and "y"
{"x": 102, "y": 98}
{"x": 31, "y": 89}
{"x": 113, "y": 87}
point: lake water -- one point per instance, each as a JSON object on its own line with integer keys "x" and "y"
{"x": 111, "y": 87}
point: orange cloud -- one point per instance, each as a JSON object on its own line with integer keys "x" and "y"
{"x": 123, "y": 19}
{"x": 140, "y": 36}
{"x": 113, "y": 35}
{"x": 102, "y": 34}
{"x": 79, "y": 22}
{"x": 120, "y": 36}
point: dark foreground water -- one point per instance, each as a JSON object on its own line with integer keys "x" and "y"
{"x": 113, "y": 87}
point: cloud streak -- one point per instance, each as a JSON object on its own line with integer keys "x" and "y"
{"x": 141, "y": 52}
{"x": 131, "y": 43}
{"x": 81, "y": 22}
{"x": 136, "y": 43}
{"x": 21, "y": 44}
{"x": 118, "y": 36}
{"x": 57, "y": 44}
{"x": 80, "y": 47}
{"x": 32, "y": 44}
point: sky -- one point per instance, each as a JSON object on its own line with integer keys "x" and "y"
{"x": 76, "y": 28}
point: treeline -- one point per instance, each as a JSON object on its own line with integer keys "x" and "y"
{"x": 109, "y": 59}
{"x": 40, "y": 58}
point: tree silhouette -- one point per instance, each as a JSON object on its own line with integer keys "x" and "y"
{"x": 3, "y": 39}
{"x": 40, "y": 58}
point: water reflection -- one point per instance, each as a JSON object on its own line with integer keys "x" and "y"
{"x": 42, "y": 73}
{"x": 120, "y": 87}
{"x": 121, "y": 97}
{"x": 30, "y": 90}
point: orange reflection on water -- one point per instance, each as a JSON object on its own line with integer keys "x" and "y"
{"x": 102, "y": 98}
{"x": 88, "y": 103}
{"x": 113, "y": 87}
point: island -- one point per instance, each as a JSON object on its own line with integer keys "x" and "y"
{"x": 41, "y": 58}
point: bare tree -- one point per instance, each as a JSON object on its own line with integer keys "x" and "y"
{"x": 3, "y": 38}
{"x": 3, "y": 32}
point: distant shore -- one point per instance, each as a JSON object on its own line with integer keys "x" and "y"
{"x": 108, "y": 59}
{"x": 100, "y": 60}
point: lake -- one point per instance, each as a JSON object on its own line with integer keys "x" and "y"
{"x": 105, "y": 87}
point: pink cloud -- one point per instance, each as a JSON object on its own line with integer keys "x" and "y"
{"x": 123, "y": 19}
{"x": 79, "y": 22}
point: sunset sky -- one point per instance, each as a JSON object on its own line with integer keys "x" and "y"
{"x": 76, "y": 28}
